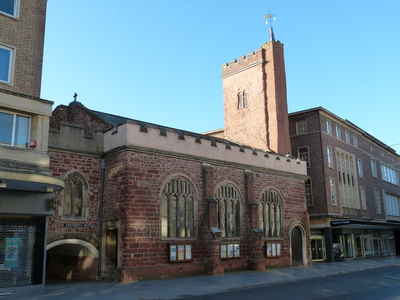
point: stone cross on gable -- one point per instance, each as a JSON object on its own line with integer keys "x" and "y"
{"x": 75, "y": 96}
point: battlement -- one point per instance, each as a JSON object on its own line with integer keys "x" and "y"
{"x": 253, "y": 58}
{"x": 147, "y": 137}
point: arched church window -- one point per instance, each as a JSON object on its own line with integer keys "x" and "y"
{"x": 270, "y": 213}
{"x": 178, "y": 209}
{"x": 75, "y": 194}
{"x": 229, "y": 210}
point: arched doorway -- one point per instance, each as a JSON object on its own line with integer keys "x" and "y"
{"x": 297, "y": 247}
{"x": 71, "y": 259}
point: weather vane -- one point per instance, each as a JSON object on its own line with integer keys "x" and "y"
{"x": 271, "y": 18}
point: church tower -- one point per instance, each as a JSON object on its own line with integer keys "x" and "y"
{"x": 255, "y": 99}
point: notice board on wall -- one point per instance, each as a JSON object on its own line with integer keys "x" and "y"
{"x": 180, "y": 252}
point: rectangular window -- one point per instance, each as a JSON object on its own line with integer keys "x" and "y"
{"x": 359, "y": 167}
{"x": 373, "y": 168}
{"x": 347, "y": 136}
{"x": 309, "y": 192}
{"x": 363, "y": 200}
{"x": 328, "y": 127}
{"x": 337, "y": 127}
{"x": 347, "y": 175}
{"x": 303, "y": 154}
{"x": 242, "y": 100}
{"x": 330, "y": 158}
{"x": 301, "y": 126}
{"x": 6, "y": 63}
{"x": 14, "y": 129}
{"x": 333, "y": 191}
{"x": 245, "y": 103}
{"x": 389, "y": 174}
{"x": 355, "y": 142}
{"x": 9, "y": 7}
{"x": 392, "y": 205}
{"x": 377, "y": 201}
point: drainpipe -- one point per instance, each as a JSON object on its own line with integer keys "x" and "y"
{"x": 99, "y": 260}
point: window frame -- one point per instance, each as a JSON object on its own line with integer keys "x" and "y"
{"x": 228, "y": 196}
{"x": 328, "y": 126}
{"x": 389, "y": 174}
{"x": 14, "y": 126}
{"x": 271, "y": 198}
{"x": 363, "y": 198}
{"x": 374, "y": 169}
{"x": 355, "y": 140}
{"x": 333, "y": 191}
{"x": 301, "y": 126}
{"x": 16, "y": 10}
{"x": 337, "y": 131}
{"x": 178, "y": 190}
{"x": 329, "y": 155}
{"x": 305, "y": 157}
{"x": 392, "y": 204}
{"x": 360, "y": 168}
{"x": 347, "y": 136}
{"x": 242, "y": 100}
{"x": 347, "y": 179}
{"x": 11, "y": 62}
{"x": 84, "y": 193}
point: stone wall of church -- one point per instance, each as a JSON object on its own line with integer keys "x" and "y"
{"x": 86, "y": 228}
{"x": 133, "y": 191}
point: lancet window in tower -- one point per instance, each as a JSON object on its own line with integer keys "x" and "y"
{"x": 177, "y": 209}
{"x": 270, "y": 213}
{"x": 242, "y": 100}
{"x": 229, "y": 205}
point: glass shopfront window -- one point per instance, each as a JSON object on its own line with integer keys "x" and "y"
{"x": 348, "y": 245}
{"x": 358, "y": 247}
{"x": 367, "y": 245}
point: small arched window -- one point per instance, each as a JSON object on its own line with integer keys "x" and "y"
{"x": 177, "y": 209}
{"x": 75, "y": 193}
{"x": 270, "y": 213}
{"x": 242, "y": 100}
{"x": 229, "y": 210}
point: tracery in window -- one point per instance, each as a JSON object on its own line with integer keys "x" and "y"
{"x": 229, "y": 210}
{"x": 270, "y": 213}
{"x": 75, "y": 194}
{"x": 177, "y": 209}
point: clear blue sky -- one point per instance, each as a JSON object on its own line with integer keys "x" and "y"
{"x": 160, "y": 60}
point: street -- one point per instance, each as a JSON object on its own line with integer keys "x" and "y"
{"x": 378, "y": 283}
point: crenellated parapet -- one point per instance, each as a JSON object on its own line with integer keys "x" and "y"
{"x": 154, "y": 138}
{"x": 253, "y": 58}
{"x": 158, "y": 139}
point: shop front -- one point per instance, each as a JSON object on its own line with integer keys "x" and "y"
{"x": 24, "y": 210}
{"x": 359, "y": 239}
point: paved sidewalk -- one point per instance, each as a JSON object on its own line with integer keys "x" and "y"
{"x": 190, "y": 286}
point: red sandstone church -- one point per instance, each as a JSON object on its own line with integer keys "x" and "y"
{"x": 145, "y": 201}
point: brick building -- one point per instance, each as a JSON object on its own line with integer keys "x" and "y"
{"x": 26, "y": 182}
{"x": 146, "y": 201}
{"x": 353, "y": 192}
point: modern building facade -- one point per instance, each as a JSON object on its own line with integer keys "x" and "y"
{"x": 146, "y": 201}
{"x": 353, "y": 191}
{"x": 26, "y": 182}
